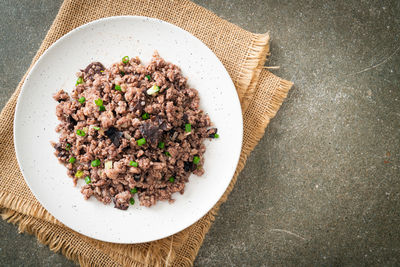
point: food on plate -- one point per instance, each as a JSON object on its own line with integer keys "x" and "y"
{"x": 132, "y": 129}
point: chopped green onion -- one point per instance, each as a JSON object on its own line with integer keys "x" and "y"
{"x": 161, "y": 145}
{"x": 67, "y": 147}
{"x": 146, "y": 116}
{"x": 133, "y": 163}
{"x": 102, "y": 71}
{"x": 108, "y": 165}
{"x": 216, "y": 135}
{"x": 99, "y": 102}
{"x": 96, "y": 163}
{"x": 133, "y": 190}
{"x": 79, "y": 81}
{"x": 96, "y": 128}
{"x": 154, "y": 89}
{"x": 80, "y": 132}
{"x": 132, "y": 201}
{"x": 125, "y": 59}
{"x": 117, "y": 87}
{"x": 122, "y": 73}
{"x": 72, "y": 160}
{"x": 148, "y": 77}
{"x": 78, "y": 174}
{"x": 82, "y": 100}
{"x": 87, "y": 180}
{"x": 188, "y": 127}
{"x": 141, "y": 141}
{"x": 102, "y": 108}
{"x": 196, "y": 160}
{"x": 172, "y": 179}
{"x": 167, "y": 153}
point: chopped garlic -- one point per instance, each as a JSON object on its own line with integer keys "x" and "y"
{"x": 79, "y": 174}
{"x": 123, "y": 87}
{"x": 108, "y": 165}
{"x": 127, "y": 135}
{"x": 154, "y": 89}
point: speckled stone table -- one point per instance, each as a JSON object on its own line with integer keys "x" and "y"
{"x": 323, "y": 185}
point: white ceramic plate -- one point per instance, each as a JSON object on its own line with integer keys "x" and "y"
{"x": 108, "y": 40}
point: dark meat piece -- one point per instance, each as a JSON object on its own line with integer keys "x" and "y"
{"x": 211, "y": 132}
{"x": 120, "y": 205}
{"x": 71, "y": 120}
{"x": 140, "y": 189}
{"x": 151, "y": 132}
{"x": 114, "y": 135}
{"x": 121, "y": 200}
{"x": 139, "y": 106}
{"x": 162, "y": 124}
{"x": 137, "y": 177}
{"x": 58, "y": 147}
{"x": 185, "y": 118}
{"x": 60, "y": 152}
{"x": 189, "y": 166}
{"x": 71, "y": 123}
{"x": 94, "y": 67}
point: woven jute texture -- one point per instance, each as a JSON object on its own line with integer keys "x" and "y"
{"x": 261, "y": 94}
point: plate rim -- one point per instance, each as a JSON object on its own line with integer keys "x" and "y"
{"x": 53, "y": 46}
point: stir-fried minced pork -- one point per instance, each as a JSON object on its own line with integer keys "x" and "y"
{"x": 132, "y": 129}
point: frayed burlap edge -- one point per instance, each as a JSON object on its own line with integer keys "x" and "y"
{"x": 250, "y": 71}
{"x": 25, "y": 207}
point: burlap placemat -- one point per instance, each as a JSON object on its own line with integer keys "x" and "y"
{"x": 261, "y": 94}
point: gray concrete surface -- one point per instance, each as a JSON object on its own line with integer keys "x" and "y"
{"x": 322, "y": 187}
